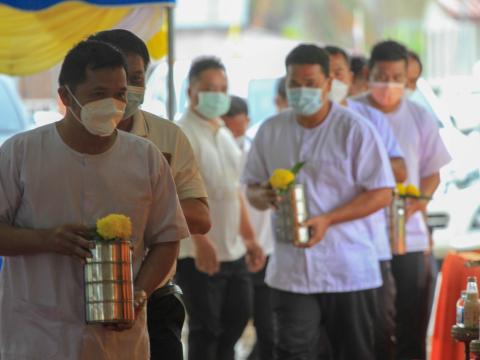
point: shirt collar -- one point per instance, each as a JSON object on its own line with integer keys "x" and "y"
{"x": 139, "y": 126}
{"x": 214, "y": 125}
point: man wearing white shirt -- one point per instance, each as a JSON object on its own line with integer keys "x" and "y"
{"x": 425, "y": 154}
{"x": 237, "y": 120}
{"x": 218, "y": 298}
{"x": 328, "y": 282}
{"x": 385, "y": 319}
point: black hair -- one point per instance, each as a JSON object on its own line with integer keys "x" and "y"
{"x": 281, "y": 87}
{"x": 335, "y": 50}
{"x": 126, "y": 41}
{"x": 413, "y": 55}
{"x": 201, "y": 64}
{"x": 388, "y": 50}
{"x": 357, "y": 64}
{"x": 305, "y": 54}
{"x": 88, "y": 54}
{"x": 238, "y": 106}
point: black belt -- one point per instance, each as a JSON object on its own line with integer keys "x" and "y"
{"x": 169, "y": 288}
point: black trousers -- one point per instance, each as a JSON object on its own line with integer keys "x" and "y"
{"x": 412, "y": 278}
{"x": 262, "y": 318}
{"x": 165, "y": 318}
{"x": 346, "y": 317}
{"x": 385, "y": 315}
{"x": 218, "y": 307}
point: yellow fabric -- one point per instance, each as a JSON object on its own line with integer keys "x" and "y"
{"x": 31, "y": 42}
{"x": 158, "y": 44}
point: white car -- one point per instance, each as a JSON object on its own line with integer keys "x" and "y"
{"x": 455, "y": 217}
{"x": 454, "y": 212}
{"x": 14, "y": 117}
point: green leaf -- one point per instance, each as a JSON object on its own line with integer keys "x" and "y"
{"x": 297, "y": 167}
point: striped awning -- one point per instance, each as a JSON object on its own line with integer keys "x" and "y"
{"x": 33, "y": 5}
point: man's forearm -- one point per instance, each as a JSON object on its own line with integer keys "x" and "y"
{"x": 246, "y": 229}
{"x": 362, "y": 205}
{"x": 255, "y": 199}
{"x": 399, "y": 169}
{"x": 156, "y": 268}
{"x": 429, "y": 184}
{"x": 14, "y": 241}
{"x": 197, "y": 214}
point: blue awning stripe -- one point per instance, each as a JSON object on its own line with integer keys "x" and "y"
{"x": 34, "y": 5}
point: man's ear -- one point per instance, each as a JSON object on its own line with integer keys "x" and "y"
{"x": 64, "y": 96}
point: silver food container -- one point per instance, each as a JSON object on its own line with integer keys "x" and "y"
{"x": 109, "y": 283}
{"x": 291, "y": 213}
{"x": 396, "y": 225}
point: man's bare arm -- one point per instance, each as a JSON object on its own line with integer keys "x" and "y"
{"x": 197, "y": 214}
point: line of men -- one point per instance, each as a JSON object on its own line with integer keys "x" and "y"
{"x": 335, "y": 297}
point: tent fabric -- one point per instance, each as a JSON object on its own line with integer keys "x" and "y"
{"x": 35, "y": 41}
{"x": 43, "y": 4}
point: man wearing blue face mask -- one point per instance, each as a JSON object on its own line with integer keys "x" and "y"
{"x": 218, "y": 299}
{"x": 166, "y": 311}
{"x": 55, "y": 182}
{"x": 328, "y": 282}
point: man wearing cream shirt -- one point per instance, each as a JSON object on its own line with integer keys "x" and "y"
{"x": 166, "y": 312}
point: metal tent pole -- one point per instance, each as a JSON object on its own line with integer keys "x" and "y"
{"x": 170, "y": 61}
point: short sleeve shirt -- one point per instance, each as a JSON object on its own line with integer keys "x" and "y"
{"x": 218, "y": 158}
{"x": 174, "y": 145}
{"x": 425, "y": 154}
{"x": 343, "y": 158}
{"x": 378, "y": 221}
{"x": 381, "y": 124}
{"x": 261, "y": 220}
{"x": 45, "y": 184}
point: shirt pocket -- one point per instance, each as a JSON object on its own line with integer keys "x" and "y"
{"x": 39, "y": 327}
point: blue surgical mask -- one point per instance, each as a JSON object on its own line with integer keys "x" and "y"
{"x": 135, "y": 96}
{"x": 305, "y": 101}
{"x": 212, "y": 104}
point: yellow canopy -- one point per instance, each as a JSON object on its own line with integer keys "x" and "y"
{"x": 31, "y": 42}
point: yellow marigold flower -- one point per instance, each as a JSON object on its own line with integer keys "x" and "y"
{"x": 401, "y": 189}
{"x": 114, "y": 226}
{"x": 281, "y": 179}
{"x": 412, "y": 190}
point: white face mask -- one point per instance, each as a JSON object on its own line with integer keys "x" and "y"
{"x": 100, "y": 117}
{"x": 339, "y": 91}
{"x": 135, "y": 97}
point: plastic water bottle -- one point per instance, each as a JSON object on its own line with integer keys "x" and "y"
{"x": 460, "y": 308}
{"x": 471, "y": 304}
